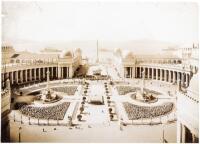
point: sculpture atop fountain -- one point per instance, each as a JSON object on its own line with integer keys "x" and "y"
{"x": 47, "y": 94}
{"x": 140, "y": 93}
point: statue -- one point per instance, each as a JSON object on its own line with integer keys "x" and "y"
{"x": 47, "y": 94}
{"x": 8, "y": 84}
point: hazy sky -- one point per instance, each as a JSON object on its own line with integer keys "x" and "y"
{"x": 64, "y": 21}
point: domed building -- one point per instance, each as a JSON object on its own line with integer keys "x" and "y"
{"x": 78, "y": 51}
{"x": 66, "y": 54}
{"x": 128, "y": 62}
{"x": 118, "y": 52}
{"x": 129, "y": 55}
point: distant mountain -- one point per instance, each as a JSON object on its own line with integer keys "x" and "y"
{"x": 146, "y": 46}
{"x": 143, "y": 46}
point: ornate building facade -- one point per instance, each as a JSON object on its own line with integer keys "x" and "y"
{"x": 26, "y": 67}
{"x": 179, "y": 67}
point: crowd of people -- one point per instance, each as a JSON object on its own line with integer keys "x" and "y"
{"x": 137, "y": 112}
{"x": 69, "y": 90}
{"x": 56, "y": 112}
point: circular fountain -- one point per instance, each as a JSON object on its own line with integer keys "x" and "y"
{"x": 142, "y": 94}
{"x": 48, "y": 95}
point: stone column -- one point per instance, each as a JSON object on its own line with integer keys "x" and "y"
{"x": 26, "y": 75}
{"x": 187, "y": 80}
{"x": 21, "y": 76}
{"x": 39, "y": 74}
{"x": 59, "y": 72}
{"x": 152, "y": 72}
{"x": 156, "y": 74}
{"x": 30, "y": 73}
{"x": 182, "y": 79}
{"x": 169, "y": 76}
{"x": 161, "y": 75}
{"x": 70, "y": 71}
{"x": 16, "y": 76}
{"x": 178, "y": 76}
{"x": 48, "y": 70}
{"x": 35, "y": 76}
{"x": 130, "y": 72}
{"x": 174, "y": 77}
{"x": 133, "y": 72}
{"x": 165, "y": 75}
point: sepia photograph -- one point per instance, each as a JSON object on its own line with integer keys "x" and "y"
{"x": 99, "y": 71}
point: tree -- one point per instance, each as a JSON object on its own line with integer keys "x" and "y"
{"x": 109, "y": 102}
{"x": 84, "y": 98}
{"x": 81, "y": 109}
{"x": 79, "y": 117}
{"x": 110, "y": 110}
{"x": 82, "y": 103}
{"x": 111, "y": 117}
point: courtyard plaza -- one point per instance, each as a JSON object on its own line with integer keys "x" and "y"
{"x": 96, "y": 125}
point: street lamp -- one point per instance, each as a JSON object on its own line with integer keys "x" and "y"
{"x": 14, "y": 116}
{"x": 20, "y": 134}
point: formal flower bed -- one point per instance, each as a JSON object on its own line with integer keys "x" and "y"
{"x": 135, "y": 112}
{"x": 56, "y": 112}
